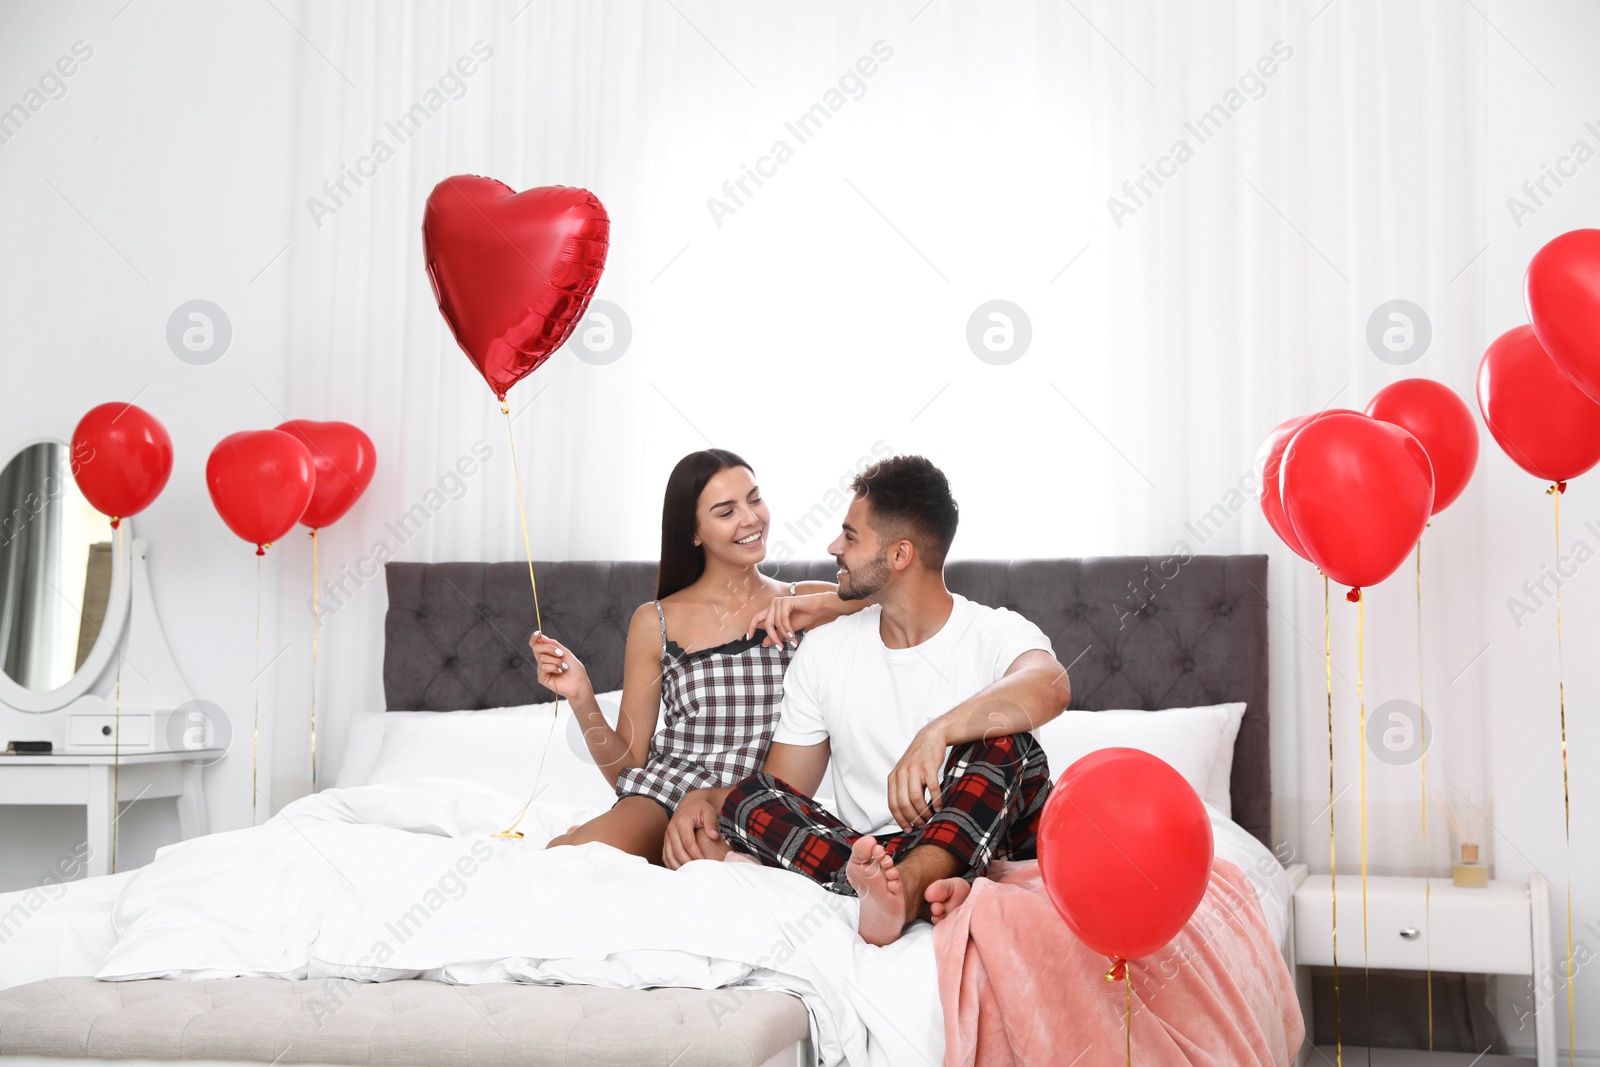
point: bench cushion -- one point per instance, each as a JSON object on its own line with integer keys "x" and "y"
{"x": 339, "y": 1021}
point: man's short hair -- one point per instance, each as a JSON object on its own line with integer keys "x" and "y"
{"x": 910, "y": 498}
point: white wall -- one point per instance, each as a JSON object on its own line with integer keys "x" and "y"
{"x": 157, "y": 178}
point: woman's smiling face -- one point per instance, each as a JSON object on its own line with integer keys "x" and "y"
{"x": 732, "y": 518}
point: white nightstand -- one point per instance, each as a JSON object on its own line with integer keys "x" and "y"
{"x": 85, "y": 780}
{"x": 1502, "y": 929}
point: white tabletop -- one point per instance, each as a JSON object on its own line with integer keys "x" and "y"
{"x": 105, "y": 759}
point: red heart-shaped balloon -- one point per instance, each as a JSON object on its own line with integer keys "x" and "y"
{"x": 1562, "y": 292}
{"x": 1535, "y": 413}
{"x": 344, "y": 459}
{"x": 512, "y": 272}
{"x": 260, "y": 482}
{"x": 121, "y": 459}
{"x": 1358, "y": 493}
{"x": 1431, "y": 412}
{"x": 1125, "y": 851}
{"x": 1269, "y": 458}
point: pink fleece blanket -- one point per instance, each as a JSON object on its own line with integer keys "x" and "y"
{"x": 1019, "y": 988}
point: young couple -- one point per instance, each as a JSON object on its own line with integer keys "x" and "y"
{"x": 919, "y": 700}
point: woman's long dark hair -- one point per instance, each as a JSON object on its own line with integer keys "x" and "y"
{"x": 683, "y": 561}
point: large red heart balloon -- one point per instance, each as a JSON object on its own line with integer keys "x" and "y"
{"x": 512, "y": 272}
{"x": 1534, "y": 412}
{"x": 344, "y": 458}
{"x": 1125, "y": 851}
{"x": 1432, "y": 413}
{"x": 121, "y": 459}
{"x": 1358, "y": 493}
{"x": 1269, "y": 458}
{"x": 260, "y": 482}
{"x": 1562, "y": 291}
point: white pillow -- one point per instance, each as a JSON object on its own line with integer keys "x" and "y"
{"x": 500, "y": 748}
{"x": 1197, "y": 742}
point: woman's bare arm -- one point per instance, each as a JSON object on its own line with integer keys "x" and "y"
{"x": 628, "y": 745}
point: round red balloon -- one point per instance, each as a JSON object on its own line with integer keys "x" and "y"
{"x": 512, "y": 272}
{"x": 1432, "y": 413}
{"x": 121, "y": 459}
{"x": 1562, "y": 291}
{"x": 1269, "y": 458}
{"x": 1125, "y": 851}
{"x": 260, "y": 482}
{"x": 1358, "y": 493}
{"x": 344, "y": 458}
{"x": 1534, "y": 412}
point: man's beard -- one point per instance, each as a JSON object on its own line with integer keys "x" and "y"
{"x": 867, "y": 581}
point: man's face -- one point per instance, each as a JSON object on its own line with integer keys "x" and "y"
{"x": 862, "y": 556}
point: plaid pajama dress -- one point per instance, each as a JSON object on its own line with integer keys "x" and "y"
{"x": 720, "y": 708}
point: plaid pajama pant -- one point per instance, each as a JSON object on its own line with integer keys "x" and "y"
{"x": 994, "y": 792}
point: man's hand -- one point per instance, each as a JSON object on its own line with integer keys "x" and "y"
{"x": 914, "y": 783}
{"x": 697, "y": 812}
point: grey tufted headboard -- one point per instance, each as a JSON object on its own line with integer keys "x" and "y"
{"x": 1133, "y": 632}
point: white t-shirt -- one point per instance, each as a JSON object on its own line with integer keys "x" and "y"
{"x": 846, "y": 686}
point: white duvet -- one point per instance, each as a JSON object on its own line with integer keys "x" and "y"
{"x": 383, "y": 882}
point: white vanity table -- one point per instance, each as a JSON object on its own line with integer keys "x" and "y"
{"x": 84, "y": 663}
{"x": 86, "y": 781}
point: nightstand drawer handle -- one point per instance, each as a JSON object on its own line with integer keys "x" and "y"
{"x": 1411, "y": 933}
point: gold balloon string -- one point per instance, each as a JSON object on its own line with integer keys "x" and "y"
{"x": 1566, "y": 790}
{"x": 527, "y": 546}
{"x": 1333, "y": 856}
{"x": 1361, "y": 700}
{"x": 1427, "y": 881}
{"x": 1127, "y": 1024}
{"x": 255, "y": 730}
{"x": 314, "y": 623}
{"x": 1119, "y": 973}
{"x": 116, "y": 717}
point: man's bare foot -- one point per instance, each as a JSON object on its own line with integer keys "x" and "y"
{"x": 877, "y": 882}
{"x": 945, "y": 896}
{"x": 738, "y": 857}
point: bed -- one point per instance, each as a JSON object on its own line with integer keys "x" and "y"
{"x": 1136, "y": 633}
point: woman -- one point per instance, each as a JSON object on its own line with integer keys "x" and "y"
{"x": 709, "y": 652}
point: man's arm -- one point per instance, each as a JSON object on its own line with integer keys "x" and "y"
{"x": 1033, "y": 691}
{"x": 695, "y": 819}
{"x": 802, "y": 766}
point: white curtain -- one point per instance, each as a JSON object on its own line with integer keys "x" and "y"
{"x": 806, "y": 320}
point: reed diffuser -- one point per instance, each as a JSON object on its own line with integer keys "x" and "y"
{"x": 1468, "y": 869}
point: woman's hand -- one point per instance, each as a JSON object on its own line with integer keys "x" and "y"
{"x": 560, "y": 671}
{"x": 786, "y": 615}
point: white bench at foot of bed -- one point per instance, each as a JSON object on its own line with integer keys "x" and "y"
{"x": 338, "y": 1021}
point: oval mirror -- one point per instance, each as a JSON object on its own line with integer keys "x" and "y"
{"x": 56, "y": 569}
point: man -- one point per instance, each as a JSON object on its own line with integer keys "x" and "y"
{"x": 922, "y": 701}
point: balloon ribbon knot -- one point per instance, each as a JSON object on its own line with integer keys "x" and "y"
{"x": 116, "y": 522}
{"x": 1118, "y": 971}
{"x": 1354, "y": 595}
{"x": 1559, "y": 487}
{"x": 261, "y": 550}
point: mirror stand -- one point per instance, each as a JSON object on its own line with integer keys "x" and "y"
{"x": 151, "y": 681}
{"x": 152, "y": 687}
